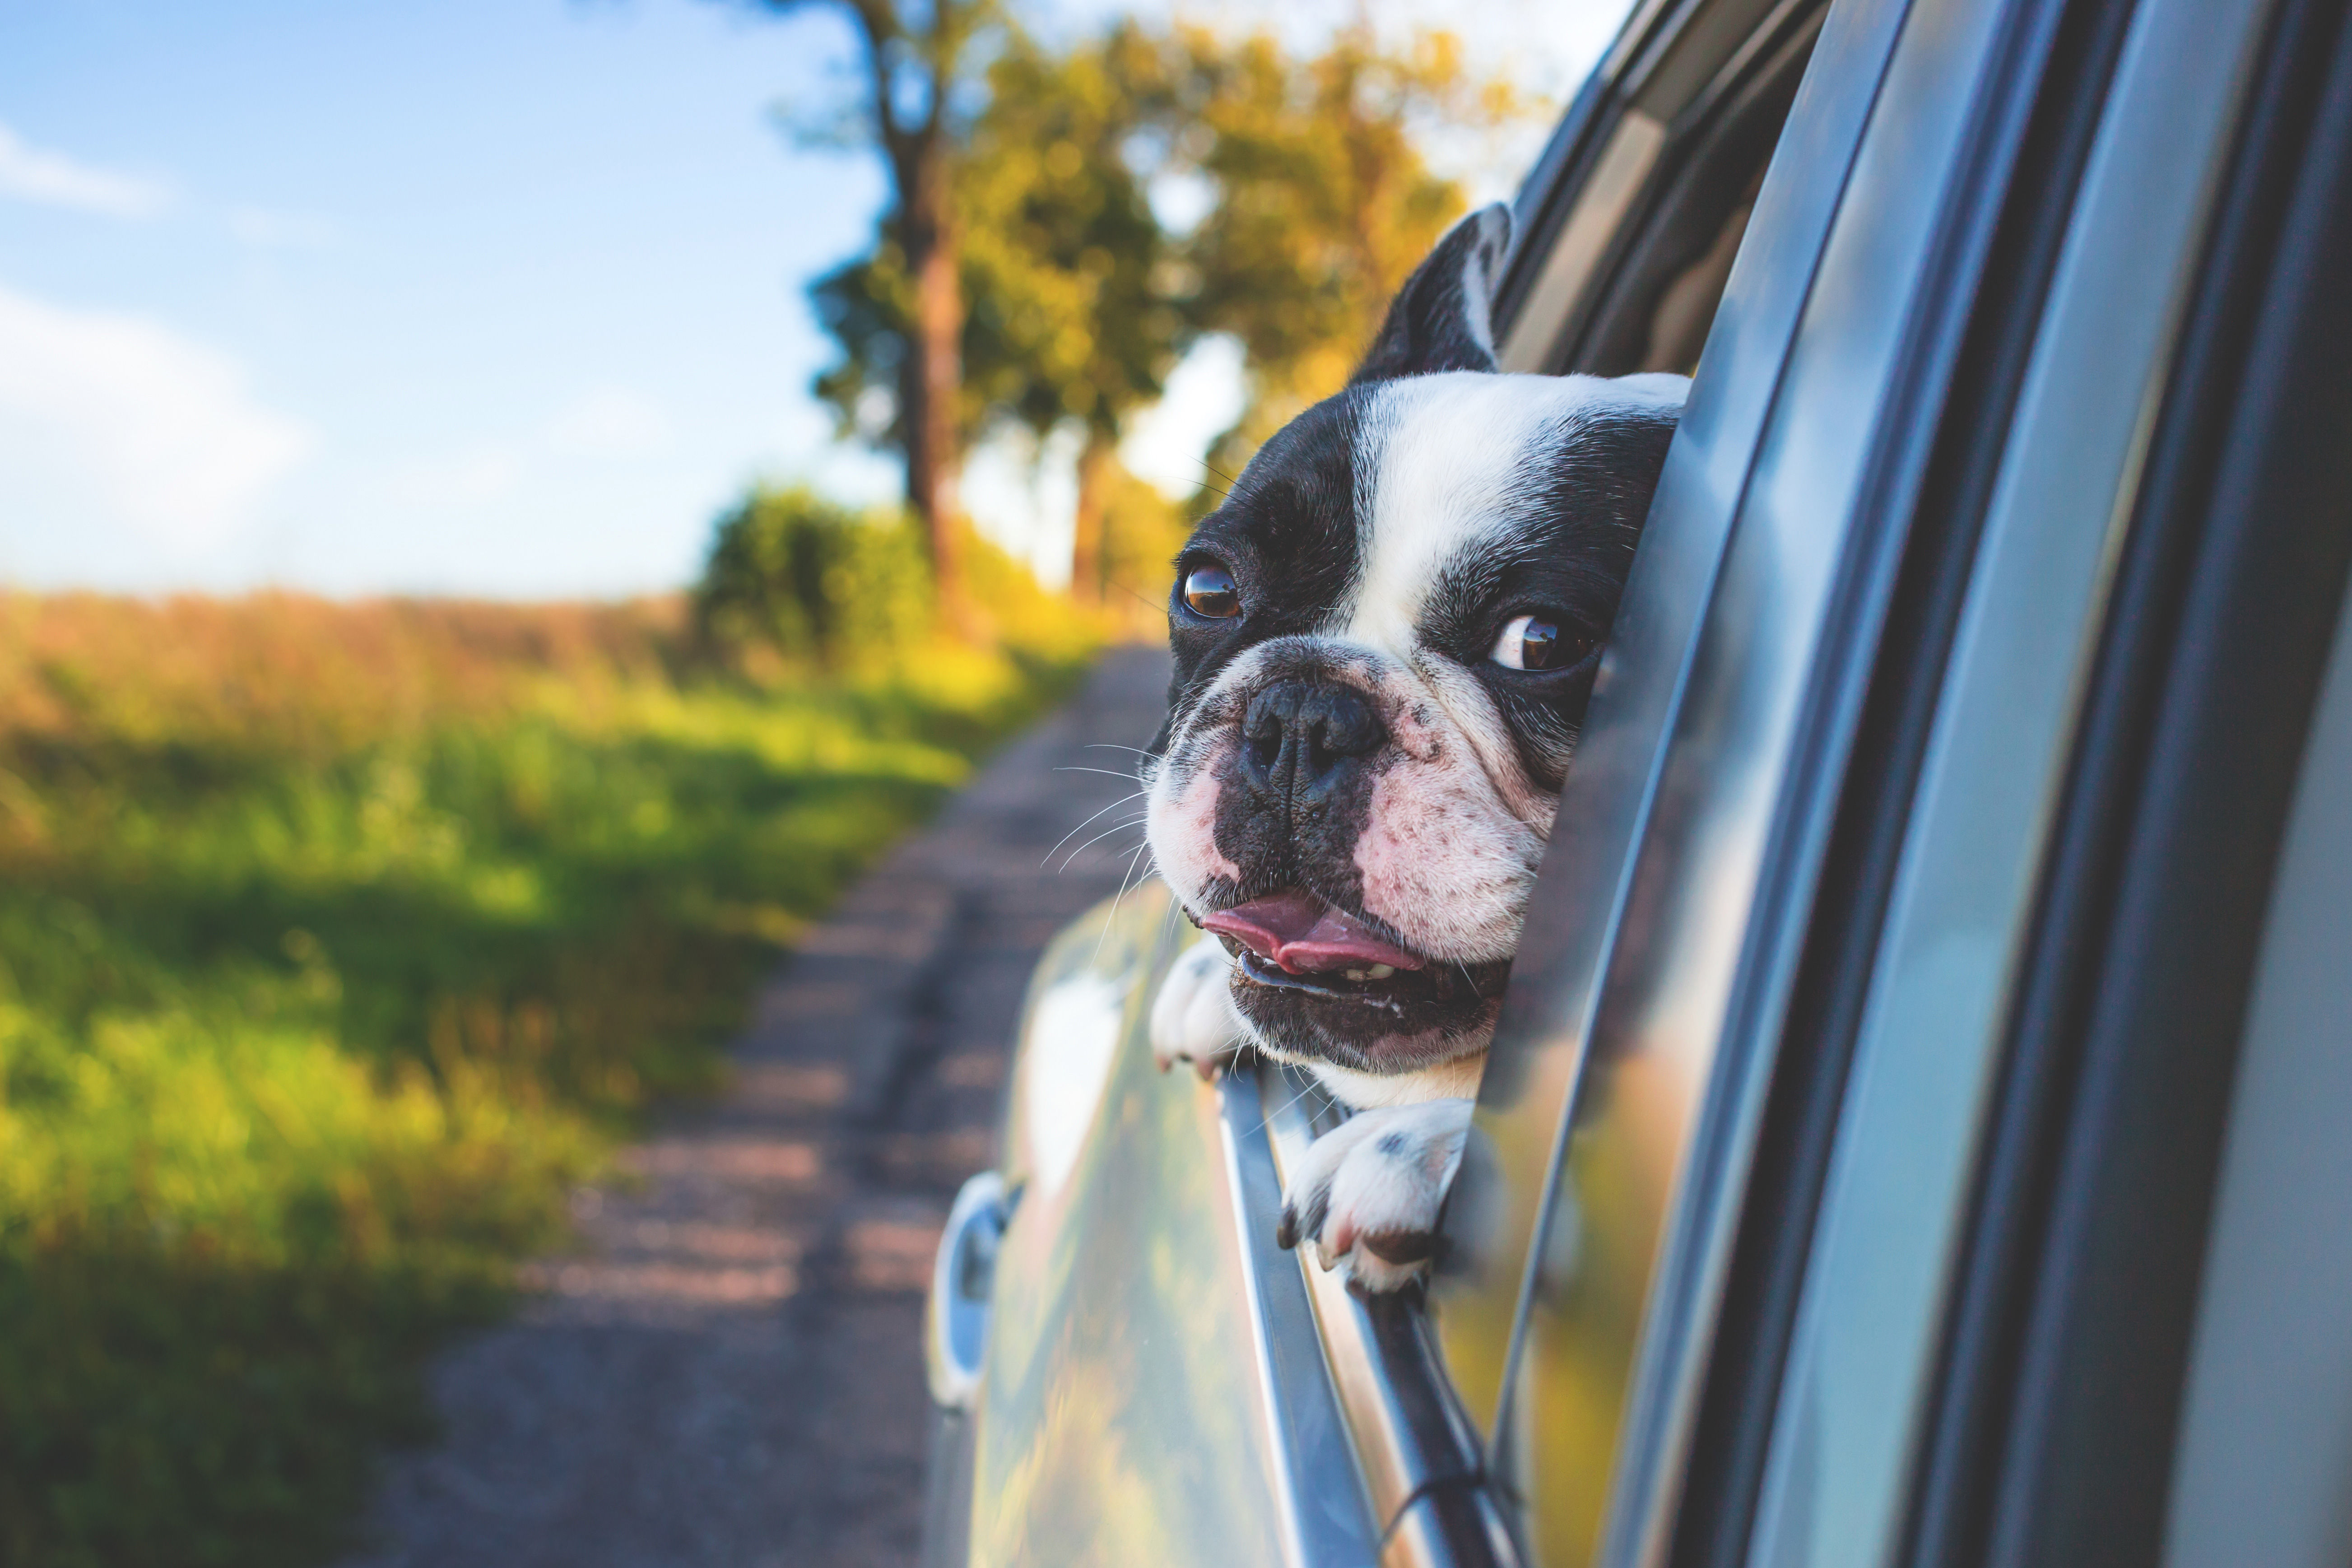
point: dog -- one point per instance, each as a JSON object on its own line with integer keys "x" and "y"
{"x": 1384, "y": 635}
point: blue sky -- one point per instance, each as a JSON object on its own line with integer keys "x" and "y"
{"x": 492, "y": 297}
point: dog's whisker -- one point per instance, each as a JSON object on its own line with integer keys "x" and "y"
{"x": 1305, "y": 1089}
{"x": 1111, "y": 918}
{"x": 1105, "y": 772}
{"x": 1119, "y": 826}
{"x": 1109, "y": 746}
{"x": 1072, "y": 858}
{"x": 1081, "y": 827}
{"x": 1147, "y": 604}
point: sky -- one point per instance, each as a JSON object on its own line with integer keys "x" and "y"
{"x": 488, "y": 297}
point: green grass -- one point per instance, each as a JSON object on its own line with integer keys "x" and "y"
{"x": 312, "y": 1001}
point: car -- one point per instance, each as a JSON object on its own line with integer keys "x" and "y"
{"x": 1915, "y": 1132}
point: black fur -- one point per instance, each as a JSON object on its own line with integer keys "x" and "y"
{"x": 1293, "y": 533}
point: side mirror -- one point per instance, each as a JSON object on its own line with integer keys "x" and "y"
{"x": 955, "y": 1317}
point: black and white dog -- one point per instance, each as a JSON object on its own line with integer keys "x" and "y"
{"x": 1384, "y": 639}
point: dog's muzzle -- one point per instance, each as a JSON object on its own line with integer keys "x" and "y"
{"x": 1304, "y": 741}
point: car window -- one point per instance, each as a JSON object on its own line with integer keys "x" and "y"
{"x": 1629, "y": 227}
{"x": 1657, "y": 1014}
{"x": 2265, "y": 1446}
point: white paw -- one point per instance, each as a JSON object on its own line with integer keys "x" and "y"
{"x": 1193, "y": 1017}
{"x": 1368, "y": 1193}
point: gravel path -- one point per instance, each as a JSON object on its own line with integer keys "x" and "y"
{"x": 727, "y": 1374}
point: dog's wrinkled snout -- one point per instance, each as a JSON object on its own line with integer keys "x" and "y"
{"x": 1299, "y": 737}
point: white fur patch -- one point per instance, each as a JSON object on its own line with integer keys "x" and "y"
{"x": 1182, "y": 815}
{"x": 1192, "y": 1018}
{"x": 1437, "y": 460}
{"x": 1380, "y": 1177}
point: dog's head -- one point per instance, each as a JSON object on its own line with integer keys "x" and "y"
{"x": 1384, "y": 638}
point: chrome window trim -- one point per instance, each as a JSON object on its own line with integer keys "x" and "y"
{"x": 1329, "y": 1516}
{"x": 2263, "y": 1444}
{"x": 1839, "y": 1474}
{"x": 1409, "y": 1436}
{"x": 1620, "y": 171}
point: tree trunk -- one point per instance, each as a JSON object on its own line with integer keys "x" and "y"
{"x": 1090, "y": 552}
{"x": 933, "y": 371}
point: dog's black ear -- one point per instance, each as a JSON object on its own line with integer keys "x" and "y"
{"x": 1443, "y": 317}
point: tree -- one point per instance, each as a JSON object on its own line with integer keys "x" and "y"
{"x": 1074, "y": 316}
{"x": 1324, "y": 202}
{"x": 1062, "y": 264}
{"x": 1077, "y": 301}
{"x": 917, "y": 59}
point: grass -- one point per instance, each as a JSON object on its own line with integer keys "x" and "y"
{"x": 335, "y": 941}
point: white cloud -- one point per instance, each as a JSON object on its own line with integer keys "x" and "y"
{"x": 35, "y": 174}
{"x": 604, "y": 422}
{"x": 610, "y": 422}
{"x": 472, "y": 478}
{"x": 112, "y": 422}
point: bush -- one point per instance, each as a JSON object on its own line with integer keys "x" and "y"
{"x": 813, "y": 581}
{"x": 797, "y": 583}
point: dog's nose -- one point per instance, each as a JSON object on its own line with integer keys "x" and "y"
{"x": 1303, "y": 733}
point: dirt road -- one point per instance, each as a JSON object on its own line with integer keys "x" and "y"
{"x": 726, "y": 1374}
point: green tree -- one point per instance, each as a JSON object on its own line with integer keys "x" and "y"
{"x": 811, "y": 580}
{"x": 1324, "y": 201}
{"x": 1079, "y": 300}
{"x": 1064, "y": 267}
{"x": 917, "y": 65}
{"x": 1074, "y": 319}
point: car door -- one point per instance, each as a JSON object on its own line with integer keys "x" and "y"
{"x": 1899, "y": 1071}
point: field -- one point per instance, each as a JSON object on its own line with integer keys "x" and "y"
{"x": 334, "y": 941}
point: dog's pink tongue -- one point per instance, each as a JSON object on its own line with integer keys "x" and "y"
{"x": 1304, "y": 935}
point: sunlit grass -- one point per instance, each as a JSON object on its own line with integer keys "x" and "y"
{"x": 334, "y": 941}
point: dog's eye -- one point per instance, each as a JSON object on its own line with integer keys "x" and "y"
{"x": 1210, "y": 591}
{"x": 1531, "y": 642}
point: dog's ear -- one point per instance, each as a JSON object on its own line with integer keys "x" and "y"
{"x": 1443, "y": 317}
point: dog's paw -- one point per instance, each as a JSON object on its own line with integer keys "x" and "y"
{"x": 1366, "y": 1194}
{"x": 1193, "y": 1017}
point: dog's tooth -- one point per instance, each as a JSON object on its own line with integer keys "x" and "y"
{"x": 1378, "y": 972}
{"x": 1355, "y": 974}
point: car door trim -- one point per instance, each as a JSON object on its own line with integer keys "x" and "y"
{"x": 1853, "y": 1401}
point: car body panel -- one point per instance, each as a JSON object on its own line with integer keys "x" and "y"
{"x": 1143, "y": 1397}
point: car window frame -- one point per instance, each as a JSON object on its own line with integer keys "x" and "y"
{"x": 1855, "y": 1406}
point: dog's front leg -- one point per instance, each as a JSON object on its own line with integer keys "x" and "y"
{"x": 1366, "y": 1194}
{"x": 1192, "y": 1018}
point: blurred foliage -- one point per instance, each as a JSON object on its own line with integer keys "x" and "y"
{"x": 1080, "y": 299}
{"x": 915, "y": 83}
{"x": 796, "y": 581}
{"x": 1324, "y": 201}
{"x": 1063, "y": 266}
{"x": 335, "y": 940}
{"x": 805, "y": 579}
